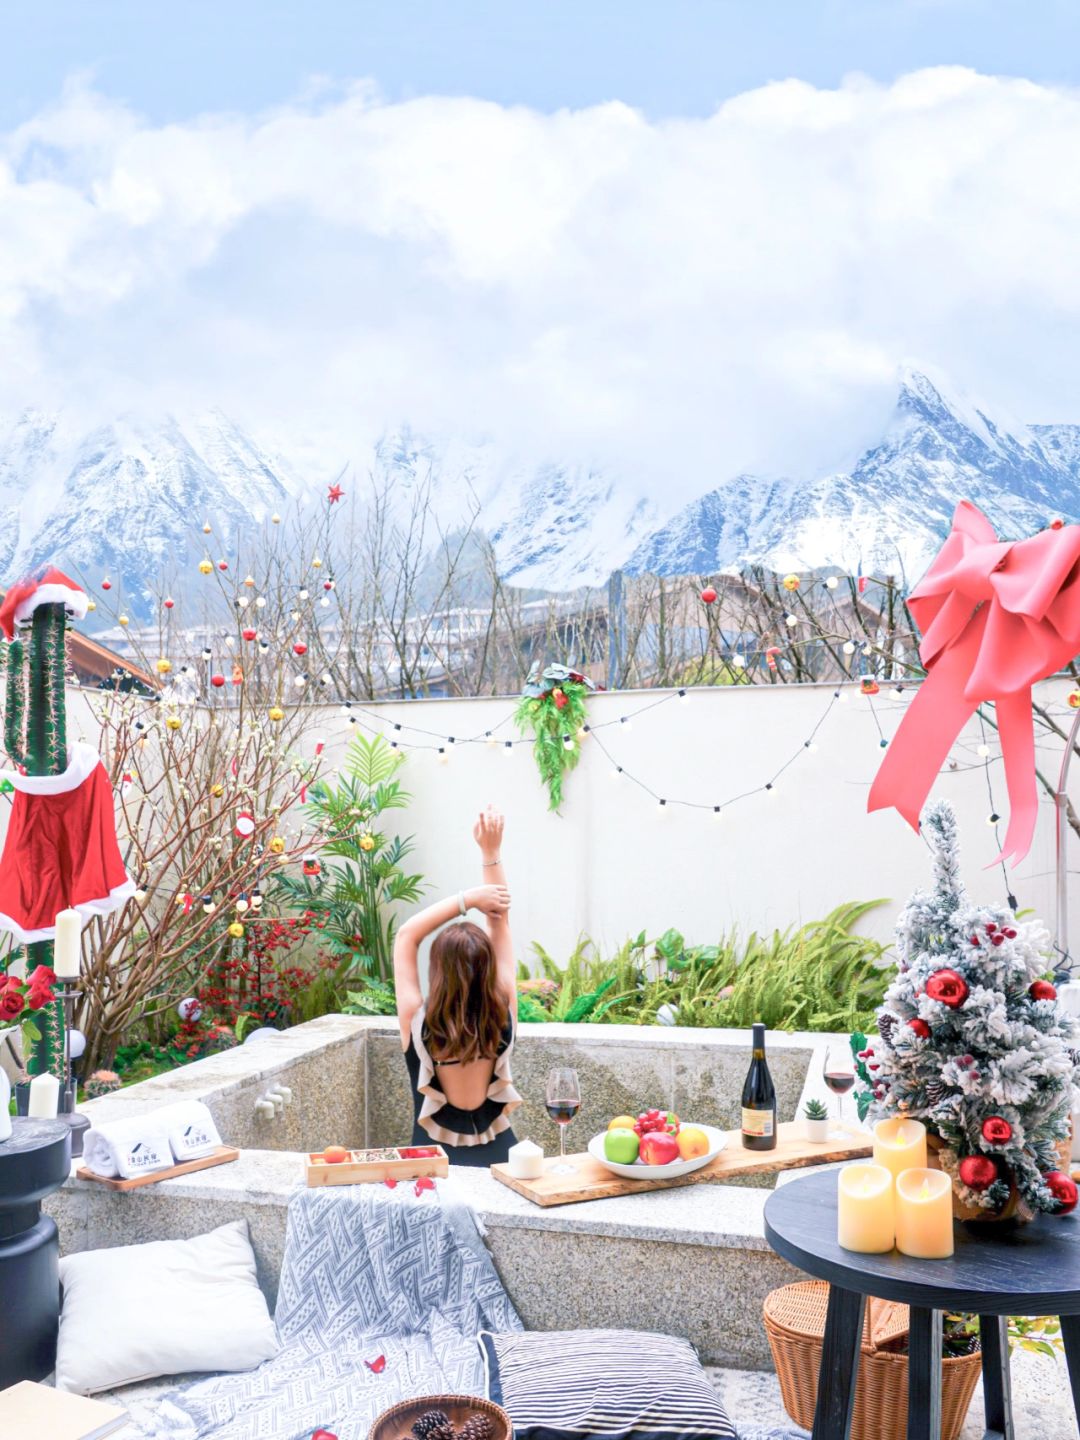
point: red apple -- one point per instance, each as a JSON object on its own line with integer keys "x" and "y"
{"x": 659, "y": 1148}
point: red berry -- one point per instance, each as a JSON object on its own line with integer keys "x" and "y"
{"x": 1042, "y": 990}
{"x": 921, "y": 1028}
{"x": 997, "y": 939}
{"x": 978, "y": 1172}
{"x": 1010, "y": 934}
{"x": 974, "y": 939}
{"x": 990, "y": 927}
{"x": 708, "y": 594}
{"x": 967, "y": 1059}
{"x": 1063, "y": 1190}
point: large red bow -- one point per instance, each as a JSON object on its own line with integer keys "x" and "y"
{"x": 995, "y": 618}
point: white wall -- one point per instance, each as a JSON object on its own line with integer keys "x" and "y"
{"x": 611, "y": 865}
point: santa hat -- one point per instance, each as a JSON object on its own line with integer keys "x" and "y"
{"x": 45, "y": 586}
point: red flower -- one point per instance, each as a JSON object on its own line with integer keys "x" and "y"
{"x": 11, "y": 1004}
{"x": 996, "y": 1130}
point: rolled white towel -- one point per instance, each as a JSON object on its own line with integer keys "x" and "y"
{"x": 123, "y": 1149}
{"x": 191, "y": 1130}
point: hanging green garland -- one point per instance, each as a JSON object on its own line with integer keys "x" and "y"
{"x": 552, "y": 711}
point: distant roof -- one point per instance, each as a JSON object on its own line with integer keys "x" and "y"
{"x": 100, "y": 668}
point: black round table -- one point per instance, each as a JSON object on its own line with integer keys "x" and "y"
{"x": 34, "y": 1162}
{"x": 996, "y": 1271}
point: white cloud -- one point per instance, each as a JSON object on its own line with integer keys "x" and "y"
{"x": 681, "y": 299}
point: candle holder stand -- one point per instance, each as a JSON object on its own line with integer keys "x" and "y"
{"x": 77, "y": 1123}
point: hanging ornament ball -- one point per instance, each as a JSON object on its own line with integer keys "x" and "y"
{"x": 1042, "y": 990}
{"x": 244, "y": 826}
{"x": 236, "y": 930}
{"x": 327, "y": 584}
{"x": 920, "y": 1027}
{"x": 206, "y": 527}
{"x": 168, "y": 602}
{"x": 868, "y": 685}
{"x": 311, "y": 865}
{"x": 206, "y": 567}
{"x": 189, "y": 1009}
{"x": 172, "y": 722}
{"x": 248, "y": 633}
{"x": 275, "y": 519}
{"x": 791, "y": 582}
{"x": 1074, "y": 699}
{"x": 316, "y": 563}
{"x": 948, "y": 987}
{"x": 223, "y": 565}
{"x": 996, "y": 1130}
{"x": 299, "y": 648}
{"x": 217, "y": 790}
{"x": 123, "y": 620}
{"x": 277, "y": 845}
{"x": 1063, "y": 1190}
{"x": 1057, "y": 523}
{"x": 237, "y": 675}
{"x": 91, "y": 605}
{"x": 708, "y": 595}
{"x": 276, "y": 714}
{"x": 163, "y": 666}
{"x": 106, "y": 584}
{"x": 367, "y": 842}
{"x": 249, "y": 581}
{"x": 217, "y": 681}
{"x": 978, "y": 1172}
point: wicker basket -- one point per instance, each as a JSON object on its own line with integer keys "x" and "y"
{"x": 396, "y": 1423}
{"x": 795, "y": 1325}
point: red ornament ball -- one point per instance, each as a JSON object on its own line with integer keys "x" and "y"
{"x": 217, "y": 681}
{"x": 948, "y": 987}
{"x": 978, "y": 1172}
{"x": 1057, "y": 523}
{"x": 708, "y": 595}
{"x": 996, "y": 1130}
{"x": 921, "y": 1028}
{"x": 106, "y": 584}
{"x": 168, "y": 602}
{"x": 1063, "y": 1190}
{"x": 299, "y": 648}
{"x": 1042, "y": 990}
{"x": 248, "y": 634}
{"x": 222, "y": 564}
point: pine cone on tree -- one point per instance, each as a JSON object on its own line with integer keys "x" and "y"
{"x": 477, "y": 1427}
{"x": 935, "y": 1092}
{"x": 887, "y": 1023}
{"x": 424, "y": 1428}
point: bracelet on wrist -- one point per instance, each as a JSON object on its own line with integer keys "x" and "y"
{"x": 490, "y": 864}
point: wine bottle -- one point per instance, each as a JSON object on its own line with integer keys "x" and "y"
{"x": 759, "y": 1099}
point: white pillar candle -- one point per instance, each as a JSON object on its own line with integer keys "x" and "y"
{"x": 67, "y": 947}
{"x": 900, "y": 1144}
{"x": 526, "y": 1160}
{"x": 864, "y": 1209}
{"x": 924, "y": 1218}
{"x": 44, "y": 1097}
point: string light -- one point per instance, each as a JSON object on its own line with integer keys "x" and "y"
{"x": 508, "y": 749}
{"x": 683, "y": 696}
{"x": 568, "y": 742}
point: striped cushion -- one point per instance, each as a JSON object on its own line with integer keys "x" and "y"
{"x": 565, "y": 1384}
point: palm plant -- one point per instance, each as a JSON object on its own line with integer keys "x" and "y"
{"x": 355, "y": 901}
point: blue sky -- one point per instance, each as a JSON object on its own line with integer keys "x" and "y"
{"x": 676, "y": 239}
{"x": 669, "y": 57}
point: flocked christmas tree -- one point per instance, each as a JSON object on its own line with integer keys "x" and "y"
{"x": 974, "y": 1043}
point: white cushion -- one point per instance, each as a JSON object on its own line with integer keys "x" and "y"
{"x": 166, "y": 1308}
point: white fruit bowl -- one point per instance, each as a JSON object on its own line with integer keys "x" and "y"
{"x": 640, "y": 1171}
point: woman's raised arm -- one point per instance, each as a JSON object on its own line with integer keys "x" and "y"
{"x": 488, "y": 834}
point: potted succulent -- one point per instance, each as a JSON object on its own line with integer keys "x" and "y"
{"x": 816, "y": 1117}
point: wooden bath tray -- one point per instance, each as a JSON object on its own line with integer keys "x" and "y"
{"x": 593, "y": 1182}
{"x": 221, "y": 1156}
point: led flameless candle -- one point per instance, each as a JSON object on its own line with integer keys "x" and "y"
{"x": 900, "y": 1145}
{"x": 924, "y": 1218}
{"x": 67, "y": 947}
{"x": 526, "y": 1160}
{"x": 865, "y": 1209}
{"x": 44, "y": 1097}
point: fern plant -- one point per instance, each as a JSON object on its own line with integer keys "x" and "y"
{"x": 356, "y": 899}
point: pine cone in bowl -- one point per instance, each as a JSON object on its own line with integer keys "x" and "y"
{"x": 429, "y": 1422}
{"x": 477, "y": 1427}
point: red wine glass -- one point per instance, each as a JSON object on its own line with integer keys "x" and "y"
{"x": 838, "y": 1072}
{"x": 563, "y": 1100}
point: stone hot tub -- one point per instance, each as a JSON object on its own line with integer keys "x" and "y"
{"x": 692, "y": 1261}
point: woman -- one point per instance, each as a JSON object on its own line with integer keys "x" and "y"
{"x": 459, "y": 1042}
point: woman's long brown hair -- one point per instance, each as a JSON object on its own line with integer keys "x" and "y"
{"x": 466, "y": 1012}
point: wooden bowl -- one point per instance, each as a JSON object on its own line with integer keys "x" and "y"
{"x": 396, "y": 1423}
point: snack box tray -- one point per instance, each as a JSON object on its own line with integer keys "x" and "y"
{"x": 361, "y": 1167}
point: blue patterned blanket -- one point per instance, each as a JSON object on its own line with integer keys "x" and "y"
{"x": 382, "y": 1295}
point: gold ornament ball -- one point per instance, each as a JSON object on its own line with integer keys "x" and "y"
{"x": 277, "y": 845}
{"x": 163, "y": 666}
{"x": 791, "y": 582}
{"x": 206, "y": 567}
{"x": 217, "y": 791}
{"x": 236, "y": 930}
{"x": 91, "y": 605}
{"x": 276, "y": 713}
{"x": 173, "y": 722}
{"x": 367, "y": 842}
{"x": 123, "y": 620}
{"x": 316, "y": 563}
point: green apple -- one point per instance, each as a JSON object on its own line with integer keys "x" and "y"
{"x": 621, "y": 1146}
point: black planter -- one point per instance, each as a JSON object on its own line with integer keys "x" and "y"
{"x": 33, "y": 1163}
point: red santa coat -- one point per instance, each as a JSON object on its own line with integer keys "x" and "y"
{"x": 61, "y": 850}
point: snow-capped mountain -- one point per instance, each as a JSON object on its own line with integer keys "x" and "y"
{"x": 891, "y": 510}
{"x": 127, "y": 498}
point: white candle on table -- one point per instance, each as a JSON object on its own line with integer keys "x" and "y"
{"x": 67, "y": 946}
{"x": 900, "y": 1145}
{"x": 924, "y": 1218}
{"x": 864, "y": 1209}
{"x": 44, "y": 1097}
{"x": 526, "y": 1160}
